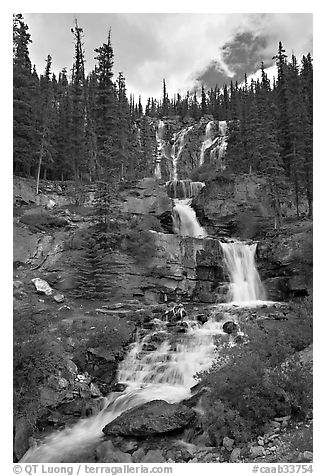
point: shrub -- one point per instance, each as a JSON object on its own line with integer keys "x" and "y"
{"x": 35, "y": 358}
{"x": 254, "y": 382}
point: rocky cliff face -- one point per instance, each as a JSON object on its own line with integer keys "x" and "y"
{"x": 180, "y": 268}
{"x": 285, "y": 261}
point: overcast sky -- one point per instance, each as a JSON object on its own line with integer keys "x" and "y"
{"x": 184, "y": 48}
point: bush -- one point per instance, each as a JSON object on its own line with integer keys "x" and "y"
{"x": 255, "y": 382}
{"x": 35, "y": 358}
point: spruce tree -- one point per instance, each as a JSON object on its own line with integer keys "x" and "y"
{"x": 46, "y": 154}
{"x": 24, "y": 109}
{"x": 78, "y": 105}
{"x": 203, "y": 105}
{"x": 63, "y": 167}
{"x": 106, "y": 110}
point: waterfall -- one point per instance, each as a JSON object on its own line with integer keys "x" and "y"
{"x": 166, "y": 373}
{"x": 208, "y": 141}
{"x": 245, "y": 283}
{"x": 185, "y": 222}
{"x": 218, "y": 152}
{"x": 183, "y": 188}
{"x": 160, "y": 145}
{"x": 179, "y": 142}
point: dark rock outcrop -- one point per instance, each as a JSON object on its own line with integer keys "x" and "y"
{"x": 285, "y": 261}
{"x": 152, "y": 418}
{"x": 230, "y": 327}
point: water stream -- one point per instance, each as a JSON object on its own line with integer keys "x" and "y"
{"x": 166, "y": 373}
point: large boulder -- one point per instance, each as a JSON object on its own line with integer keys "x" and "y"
{"x": 152, "y": 418}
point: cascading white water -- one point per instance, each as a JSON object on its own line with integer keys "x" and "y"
{"x": 164, "y": 374}
{"x": 179, "y": 142}
{"x": 245, "y": 283}
{"x": 183, "y": 188}
{"x": 185, "y": 222}
{"x": 160, "y": 145}
{"x": 218, "y": 152}
{"x": 208, "y": 141}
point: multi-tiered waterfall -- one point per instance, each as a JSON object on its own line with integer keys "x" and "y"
{"x": 167, "y": 372}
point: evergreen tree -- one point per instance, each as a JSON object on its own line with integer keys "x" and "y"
{"x": 78, "y": 105}
{"x": 24, "y": 91}
{"x": 63, "y": 167}
{"x": 165, "y": 102}
{"x": 47, "y": 122}
{"x": 306, "y": 76}
{"x": 91, "y": 269}
{"x": 203, "y": 104}
{"x": 194, "y": 107}
{"x": 106, "y": 110}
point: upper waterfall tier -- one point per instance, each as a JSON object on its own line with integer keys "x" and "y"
{"x": 182, "y": 149}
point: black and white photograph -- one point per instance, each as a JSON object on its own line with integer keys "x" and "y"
{"x": 162, "y": 242}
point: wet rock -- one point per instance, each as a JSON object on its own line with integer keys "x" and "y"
{"x": 235, "y": 455}
{"x": 230, "y": 327}
{"x": 149, "y": 347}
{"x": 42, "y": 286}
{"x": 155, "y": 417}
{"x": 119, "y": 387}
{"x": 228, "y": 443}
{"x": 176, "y": 313}
{"x": 107, "y": 453}
{"x": 202, "y": 318}
{"x": 257, "y": 451}
{"x": 153, "y": 456}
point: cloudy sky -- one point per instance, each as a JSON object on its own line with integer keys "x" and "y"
{"x": 184, "y": 48}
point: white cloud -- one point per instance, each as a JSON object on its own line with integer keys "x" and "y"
{"x": 177, "y": 47}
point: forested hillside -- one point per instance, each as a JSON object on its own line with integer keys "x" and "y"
{"x": 86, "y": 127}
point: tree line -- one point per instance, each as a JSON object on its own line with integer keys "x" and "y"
{"x": 85, "y": 127}
{"x": 76, "y": 127}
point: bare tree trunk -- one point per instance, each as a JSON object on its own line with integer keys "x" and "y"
{"x": 39, "y": 165}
